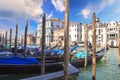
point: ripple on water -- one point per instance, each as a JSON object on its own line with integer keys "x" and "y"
{"x": 108, "y": 71}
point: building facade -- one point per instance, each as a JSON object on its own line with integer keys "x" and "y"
{"x": 101, "y": 34}
{"x": 51, "y": 25}
{"x": 55, "y": 32}
{"x": 113, "y": 33}
{"x": 75, "y": 32}
{"x": 58, "y": 36}
{"x": 30, "y": 39}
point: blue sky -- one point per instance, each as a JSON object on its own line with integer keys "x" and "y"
{"x": 14, "y": 12}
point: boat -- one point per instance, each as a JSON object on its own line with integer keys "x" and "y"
{"x": 79, "y": 62}
{"x": 61, "y": 52}
{"x": 18, "y": 65}
{"x": 30, "y": 65}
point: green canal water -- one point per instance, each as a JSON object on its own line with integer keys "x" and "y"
{"x": 104, "y": 71}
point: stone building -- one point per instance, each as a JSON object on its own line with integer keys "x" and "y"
{"x": 30, "y": 39}
{"x": 58, "y": 36}
{"x": 113, "y": 33}
{"x": 51, "y": 25}
{"x": 75, "y": 32}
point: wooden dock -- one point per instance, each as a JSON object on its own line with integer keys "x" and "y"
{"x": 72, "y": 75}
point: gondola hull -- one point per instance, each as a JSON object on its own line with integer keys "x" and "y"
{"x": 49, "y": 66}
{"x": 29, "y": 69}
{"x": 80, "y": 63}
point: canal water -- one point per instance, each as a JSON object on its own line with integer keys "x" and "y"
{"x": 104, "y": 71}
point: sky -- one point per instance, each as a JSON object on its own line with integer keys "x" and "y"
{"x": 14, "y": 12}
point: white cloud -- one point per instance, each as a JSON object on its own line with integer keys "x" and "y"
{"x": 49, "y": 15}
{"x": 14, "y": 12}
{"x": 98, "y": 7}
{"x": 85, "y": 13}
{"x": 59, "y": 5}
{"x": 21, "y": 8}
{"x": 104, "y": 4}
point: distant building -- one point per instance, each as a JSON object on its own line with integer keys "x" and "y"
{"x": 2, "y": 32}
{"x": 100, "y": 33}
{"x": 58, "y": 36}
{"x": 30, "y": 39}
{"x": 51, "y": 24}
{"x": 55, "y": 32}
{"x": 113, "y": 33}
{"x": 75, "y": 32}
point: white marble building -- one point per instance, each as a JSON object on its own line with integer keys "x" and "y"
{"x": 75, "y": 32}
{"x": 101, "y": 34}
{"x": 113, "y": 33}
{"x": 51, "y": 24}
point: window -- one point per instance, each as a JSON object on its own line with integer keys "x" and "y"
{"x": 116, "y": 35}
{"x": 99, "y": 32}
{"x": 112, "y": 35}
{"x": 78, "y": 29}
{"x": 77, "y": 35}
{"x": 75, "y": 29}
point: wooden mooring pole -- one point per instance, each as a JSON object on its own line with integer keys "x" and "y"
{"x": 86, "y": 45}
{"x": 3, "y": 40}
{"x": 105, "y": 54}
{"x": 49, "y": 40}
{"x": 119, "y": 48}
{"x": 16, "y": 36}
{"x": 10, "y": 39}
{"x": 43, "y": 45}
{"x": 6, "y": 40}
{"x": 93, "y": 46}
{"x": 66, "y": 40}
{"x": 25, "y": 39}
{"x": 35, "y": 39}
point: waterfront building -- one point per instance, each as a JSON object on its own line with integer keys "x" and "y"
{"x": 112, "y": 33}
{"x": 58, "y": 36}
{"x": 75, "y": 32}
{"x": 55, "y": 32}
{"x": 51, "y": 25}
{"x": 30, "y": 39}
{"x": 100, "y": 33}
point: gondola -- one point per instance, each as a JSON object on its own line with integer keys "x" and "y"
{"x": 80, "y": 62}
{"x": 20, "y": 65}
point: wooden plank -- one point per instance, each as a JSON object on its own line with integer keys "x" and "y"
{"x": 55, "y": 75}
